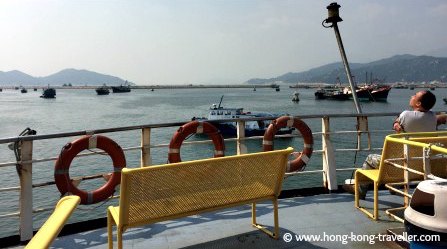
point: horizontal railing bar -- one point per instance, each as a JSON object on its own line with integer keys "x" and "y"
{"x": 174, "y": 124}
{"x": 9, "y": 189}
{"x": 346, "y": 169}
{"x": 9, "y": 214}
{"x": 355, "y": 149}
{"x": 303, "y": 172}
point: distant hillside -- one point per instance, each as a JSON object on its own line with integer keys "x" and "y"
{"x": 67, "y": 76}
{"x": 409, "y": 68}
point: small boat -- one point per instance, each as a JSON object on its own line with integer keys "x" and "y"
{"x": 1, "y": 90}
{"x": 296, "y": 96}
{"x": 48, "y": 93}
{"x": 121, "y": 89}
{"x": 152, "y": 89}
{"x": 445, "y": 100}
{"x": 23, "y": 90}
{"x": 254, "y": 89}
{"x": 35, "y": 89}
{"x": 229, "y": 129}
{"x": 332, "y": 93}
{"x": 102, "y": 90}
{"x": 277, "y": 89}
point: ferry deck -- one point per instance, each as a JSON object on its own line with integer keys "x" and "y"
{"x": 326, "y": 213}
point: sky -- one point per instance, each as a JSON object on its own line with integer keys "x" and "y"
{"x": 209, "y": 41}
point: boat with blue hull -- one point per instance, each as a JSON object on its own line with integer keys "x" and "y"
{"x": 217, "y": 113}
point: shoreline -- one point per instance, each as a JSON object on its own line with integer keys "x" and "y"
{"x": 202, "y": 86}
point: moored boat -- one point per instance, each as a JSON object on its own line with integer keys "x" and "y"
{"x": 121, "y": 88}
{"x": 48, "y": 93}
{"x": 102, "y": 90}
{"x": 23, "y": 90}
{"x": 331, "y": 93}
{"x": 373, "y": 92}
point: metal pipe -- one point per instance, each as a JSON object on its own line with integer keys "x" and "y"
{"x": 333, "y": 19}
{"x": 347, "y": 69}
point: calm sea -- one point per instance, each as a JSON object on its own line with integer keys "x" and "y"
{"x": 78, "y": 110}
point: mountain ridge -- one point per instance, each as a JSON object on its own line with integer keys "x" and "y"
{"x": 66, "y": 76}
{"x": 404, "y": 67}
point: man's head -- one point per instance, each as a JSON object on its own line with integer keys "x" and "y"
{"x": 423, "y": 101}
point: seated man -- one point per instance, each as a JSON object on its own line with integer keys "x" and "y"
{"x": 420, "y": 119}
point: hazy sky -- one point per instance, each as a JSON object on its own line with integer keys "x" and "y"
{"x": 209, "y": 41}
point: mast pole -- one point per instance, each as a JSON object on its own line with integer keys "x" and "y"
{"x": 334, "y": 18}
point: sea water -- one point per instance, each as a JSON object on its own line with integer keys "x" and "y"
{"x": 79, "y": 110}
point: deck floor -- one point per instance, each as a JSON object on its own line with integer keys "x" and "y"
{"x": 326, "y": 215}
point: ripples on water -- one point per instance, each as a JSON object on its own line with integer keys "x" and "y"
{"x": 77, "y": 110}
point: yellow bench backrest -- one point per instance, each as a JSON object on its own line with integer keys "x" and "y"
{"x": 158, "y": 192}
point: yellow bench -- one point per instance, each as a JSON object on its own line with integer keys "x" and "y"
{"x": 394, "y": 153}
{"x": 158, "y": 193}
{"x": 51, "y": 228}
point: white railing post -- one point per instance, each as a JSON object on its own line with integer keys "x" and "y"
{"x": 407, "y": 161}
{"x": 426, "y": 163}
{"x": 25, "y": 171}
{"x": 146, "y": 158}
{"x": 241, "y": 147}
{"x": 362, "y": 127}
{"x": 329, "y": 167}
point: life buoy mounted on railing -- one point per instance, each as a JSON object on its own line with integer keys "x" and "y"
{"x": 195, "y": 127}
{"x": 69, "y": 152}
{"x": 300, "y": 162}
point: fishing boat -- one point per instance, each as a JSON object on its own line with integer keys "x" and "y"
{"x": 102, "y": 90}
{"x": 123, "y": 88}
{"x": 332, "y": 94}
{"x": 371, "y": 92}
{"x": 229, "y": 129}
{"x": 48, "y": 93}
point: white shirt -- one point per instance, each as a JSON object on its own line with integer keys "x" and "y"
{"x": 416, "y": 121}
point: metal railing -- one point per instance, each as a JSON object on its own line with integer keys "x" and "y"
{"x": 328, "y": 152}
{"x": 427, "y": 151}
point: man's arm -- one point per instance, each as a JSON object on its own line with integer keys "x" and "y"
{"x": 397, "y": 127}
{"x": 441, "y": 119}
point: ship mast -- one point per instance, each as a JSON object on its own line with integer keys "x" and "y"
{"x": 333, "y": 18}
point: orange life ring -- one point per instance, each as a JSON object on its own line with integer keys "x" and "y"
{"x": 300, "y": 162}
{"x": 68, "y": 153}
{"x": 195, "y": 127}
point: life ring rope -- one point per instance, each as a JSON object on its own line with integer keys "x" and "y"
{"x": 300, "y": 162}
{"x": 71, "y": 150}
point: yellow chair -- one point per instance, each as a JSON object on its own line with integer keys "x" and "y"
{"x": 51, "y": 228}
{"x": 170, "y": 191}
{"x": 393, "y": 153}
